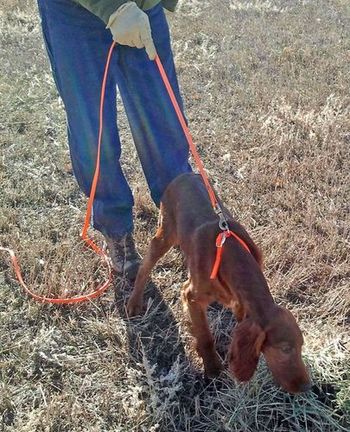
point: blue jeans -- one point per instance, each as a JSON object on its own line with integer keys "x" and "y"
{"x": 77, "y": 43}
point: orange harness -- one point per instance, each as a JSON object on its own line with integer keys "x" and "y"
{"x": 221, "y": 238}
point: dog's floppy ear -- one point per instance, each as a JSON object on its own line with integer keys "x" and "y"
{"x": 247, "y": 340}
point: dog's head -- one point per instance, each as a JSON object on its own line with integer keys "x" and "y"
{"x": 280, "y": 341}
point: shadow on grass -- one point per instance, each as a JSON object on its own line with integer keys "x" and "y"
{"x": 199, "y": 404}
{"x": 154, "y": 334}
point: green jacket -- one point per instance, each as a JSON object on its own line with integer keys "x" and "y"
{"x": 104, "y": 8}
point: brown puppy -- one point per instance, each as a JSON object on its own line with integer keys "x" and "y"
{"x": 188, "y": 220}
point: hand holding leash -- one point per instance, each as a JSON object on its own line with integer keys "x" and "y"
{"x": 130, "y": 26}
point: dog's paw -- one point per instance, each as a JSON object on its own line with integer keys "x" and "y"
{"x": 213, "y": 372}
{"x": 213, "y": 369}
{"x": 134, "y": 306}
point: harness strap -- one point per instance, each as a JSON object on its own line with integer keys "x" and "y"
{"x": 220, "y": 240}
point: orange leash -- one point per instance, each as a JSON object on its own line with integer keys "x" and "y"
{"x": 186, "y": 131}
{"x": 226, "y": 233}
{"x": 98, "y": 158}
{"x": 90, "y": 243}
{"x": 69, "y": 300}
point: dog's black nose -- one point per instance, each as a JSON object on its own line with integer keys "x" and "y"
{"x": 305, "y": 387}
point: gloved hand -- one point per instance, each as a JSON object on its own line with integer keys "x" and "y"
{"x": 130, "y": 26}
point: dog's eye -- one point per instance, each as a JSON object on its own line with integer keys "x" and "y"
{"x": 286, "y": 349}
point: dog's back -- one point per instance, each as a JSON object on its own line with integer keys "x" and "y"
{"x": 188, "y": 213}
{"x": 187, "y": 204}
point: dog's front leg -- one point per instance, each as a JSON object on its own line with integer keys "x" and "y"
{"x": 160, "y": 244}
{"x": 197, "y": 313}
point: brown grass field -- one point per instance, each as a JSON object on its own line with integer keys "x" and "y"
{"x": 266, "y": 86}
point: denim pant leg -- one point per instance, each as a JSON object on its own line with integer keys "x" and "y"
{"x": 77, "y": 43}
{"x": 161, "y": 144}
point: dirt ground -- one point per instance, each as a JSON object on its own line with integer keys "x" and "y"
{"x": 266, "y": 88}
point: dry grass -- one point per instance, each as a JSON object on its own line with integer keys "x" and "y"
{"x": 266, "y": 88}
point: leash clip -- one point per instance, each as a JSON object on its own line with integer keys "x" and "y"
{"x": 223, "y": 225}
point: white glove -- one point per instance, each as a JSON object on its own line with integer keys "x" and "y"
{"x": 130, "y": 26}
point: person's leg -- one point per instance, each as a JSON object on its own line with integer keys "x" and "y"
{"x": 77, "y": 44}
{"x": 158, "y": 136}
